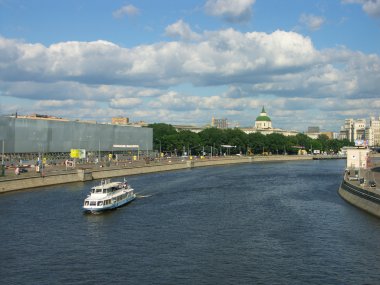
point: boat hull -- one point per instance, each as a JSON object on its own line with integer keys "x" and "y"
{"x": 116, "y": 204}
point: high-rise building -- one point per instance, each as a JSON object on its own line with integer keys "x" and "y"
{"x": 219, "y": 123}
{"x": 313, "y": 130}
{"x": 373, "y": 133}
{"x": 120, "y": 121}
{"x": 353, "y": 130}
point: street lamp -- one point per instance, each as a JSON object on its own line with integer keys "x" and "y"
{"x": 2, "y": 156}
{"x": 2, "y": 162}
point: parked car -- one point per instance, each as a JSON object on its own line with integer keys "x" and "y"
{"x": 372, "y": 183}
{"x": 23, "y": 170}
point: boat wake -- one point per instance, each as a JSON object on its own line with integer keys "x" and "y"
{"x": 143, "y": 196}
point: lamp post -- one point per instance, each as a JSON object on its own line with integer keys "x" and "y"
{"x": 2, "y": 156}
{"x": 99, "y": 153}
{"x": 2, "y": 162}
{"x": 160, "y": 150}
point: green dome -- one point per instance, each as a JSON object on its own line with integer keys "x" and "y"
{"x": 263, "y": 118}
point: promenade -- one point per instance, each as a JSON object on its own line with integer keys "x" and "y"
{"x": 59, "y": 174}
{"x": 358, "y": 190}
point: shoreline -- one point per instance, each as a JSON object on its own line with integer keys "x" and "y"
{"x": 362, "y": 197}
{"x": 82, "y": 174}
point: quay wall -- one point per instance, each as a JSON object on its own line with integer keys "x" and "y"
{"x": 360, "y": 198}
{"x": 79, "y": 175}
{"x": 189, "y": 164}
{"x": 33, "y": 182}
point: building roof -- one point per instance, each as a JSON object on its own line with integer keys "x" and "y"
{"x": 263, "y": 116}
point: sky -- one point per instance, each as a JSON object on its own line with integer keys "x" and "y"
{"x": 309, "y": 63}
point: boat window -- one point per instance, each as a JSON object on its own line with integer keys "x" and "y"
{"x": 86, "y": 203}
{"x": 100, "y": 203}
{"x": 104, "y": 190}
{"x": 98, "y": 190}
{"x": 92, "y": 203}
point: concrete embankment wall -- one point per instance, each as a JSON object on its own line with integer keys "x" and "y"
{"x": 33, "y": 182}
{"x": 107, "y": 173}
{"x": 190, "y": 164}
{"x": 359, "y": 198}
{"x": 90, "y": 174}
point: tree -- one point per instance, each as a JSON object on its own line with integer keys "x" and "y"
{"x": 189, "y": 141}
{"x": 323, "y": 139}
{"x": 169, "y": 140}
{"x": 212, "y": 137}
{"x": 257, "y": 142}
{"x": 237, "y": 138}
{"x": 160, "y": 130}
{"x": 276, "y": 143}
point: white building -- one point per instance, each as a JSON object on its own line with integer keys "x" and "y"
{"x": 263, "y": 125}
{"x": 263, "y": 122}
{"x": 353, "y": 130}
{"x": 373, "y": 131}
{"x": 357, "y": 157}
{"x": 357, "y": 130}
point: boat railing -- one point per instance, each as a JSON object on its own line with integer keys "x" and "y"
{"x": 105, "y": 181}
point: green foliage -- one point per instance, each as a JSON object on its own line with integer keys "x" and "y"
{"x": 162, "y": 136}
{"x": 176, "y": 143}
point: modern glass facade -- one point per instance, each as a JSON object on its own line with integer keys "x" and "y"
{"x": 22, "y": 135}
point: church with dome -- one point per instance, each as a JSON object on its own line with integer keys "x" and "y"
{"x": 263, "y": 121}
{"x": 263, "y": 125}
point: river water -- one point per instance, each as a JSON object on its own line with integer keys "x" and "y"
{"x": 267, "y": 223}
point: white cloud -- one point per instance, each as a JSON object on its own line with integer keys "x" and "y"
{"x": 125, "y": 103}
{"x": 175, "y": 102}
{"x": 311, "y": 21}
{"x": 56, "y": 103}
{"x": 371, "y": 7}
{"x": 220, "y": 56}
{"x": 231, "y": 11}
{"x": 182, "y": 30}
{"x": 248, "y": 69}
{"x": 127, "y": 10}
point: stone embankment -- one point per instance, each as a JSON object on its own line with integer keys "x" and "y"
{"x": 360, "y": 195}
{"x": 86, "y": 173}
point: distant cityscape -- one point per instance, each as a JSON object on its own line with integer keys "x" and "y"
{"x": 354, "y": 130}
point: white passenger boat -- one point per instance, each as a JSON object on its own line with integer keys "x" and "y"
{"x": 108, "y": 195}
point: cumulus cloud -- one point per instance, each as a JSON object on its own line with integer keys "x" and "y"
{"x": 125, "y": 103}
{"x": 176, "y": 102}
{"x": 236, "y": 11}
{"x": 311, "y": 21}
{"x": 247, "y": 68}
{"x": 371, "y": 7}
{"x": 277, "y": 63}
{"x": 220, "y": 57}
{"x": 127, "y": 10}
{"x": 181, "y": 30}
{"x": 52, "y": 104}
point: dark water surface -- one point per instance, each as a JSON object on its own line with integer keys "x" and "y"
{"x": 270, "y": 223}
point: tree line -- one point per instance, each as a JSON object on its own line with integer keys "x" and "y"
{"x": 167, "y": 139}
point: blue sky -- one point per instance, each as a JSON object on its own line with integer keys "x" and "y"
{"x": 310, "y": 63}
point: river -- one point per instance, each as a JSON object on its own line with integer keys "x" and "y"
{"x": 265, "y": 223}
